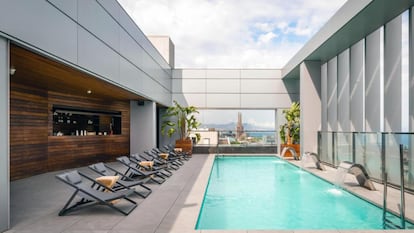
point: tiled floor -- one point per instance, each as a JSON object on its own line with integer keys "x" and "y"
{"x": 172, "y": 207}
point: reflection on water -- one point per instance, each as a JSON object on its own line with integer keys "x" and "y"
{"x": 335, "y": 191}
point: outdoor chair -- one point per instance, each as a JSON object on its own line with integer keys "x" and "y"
{"x": 159, "y": 162}
{"x": 92, "y": 195}
{"x": 162, "y": 168}
{"x": 171, "y": 155}
{"x": 132, "y": 171}
{"x": 171, "y": 164}
{"x": 170, "y": 148}
{"x": 124, "y": 182}
{"x": 155, "y": 155}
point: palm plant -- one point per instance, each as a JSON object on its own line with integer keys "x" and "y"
{"x": 179, "y": 119}
{"x": 291, "y": 129}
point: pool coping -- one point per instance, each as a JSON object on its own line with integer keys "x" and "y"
{"x": 197, "y": 192}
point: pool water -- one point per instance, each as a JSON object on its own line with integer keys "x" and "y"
{"x": 270, "y": 193}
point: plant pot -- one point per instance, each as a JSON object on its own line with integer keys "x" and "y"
{"x": 294, "y": 146}
{"x": 186, "y": 145}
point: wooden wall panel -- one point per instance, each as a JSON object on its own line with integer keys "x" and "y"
{"x": 35, "y": 150}
{"x": 28, "y": 131}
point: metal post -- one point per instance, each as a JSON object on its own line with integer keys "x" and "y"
{"x": 353, "y": 148}
{"x": 384, "y": 200}
{"x": 402, "y": 203}
{"x": 333, "y": 148}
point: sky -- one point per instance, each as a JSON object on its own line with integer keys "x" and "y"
{"x": 232, "y": 33}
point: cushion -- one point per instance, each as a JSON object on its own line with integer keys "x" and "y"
{"x": 74, "y": 177}
{"x": 100, "y": 167}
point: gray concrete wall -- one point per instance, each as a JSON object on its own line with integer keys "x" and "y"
{"x": 4, "y": 136}
{"x": 95, "y": 36}
{"x": 143, "y": 134}
{"x": 310, "y": 105}
{"x": 234, "y": 88}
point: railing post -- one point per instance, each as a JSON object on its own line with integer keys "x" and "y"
{"x": 353, "y": 148}
{"x": 333, "y": 148}
{"x": 383, "y": 164}
{"x": 402, "y": 201}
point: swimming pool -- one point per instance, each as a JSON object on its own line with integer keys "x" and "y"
{"x": 270, "y": 193}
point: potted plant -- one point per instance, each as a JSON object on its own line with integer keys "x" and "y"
{"x": 180, "y": 120}
{"x": 290, "y": 131}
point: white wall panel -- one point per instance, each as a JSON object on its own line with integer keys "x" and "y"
{"x": 254, "y": 101}
{"x": 190, "y": 73}
{"x": 97, "y": 57}
{"x": 260, "y": 73}
{"x": 189, "y": 85}
{"x": 223, "y": 85}
{"x": 97, "y": 21}
{"x": 324, "y": 96}
{"x": 343, "y": 92}
{"x": 223, "y": 73}
{"x": 392, "y": 75}
{"x": 332, "y": 101}
{"x": 357, "y": 98}
{"x": 223, "y": 100}
{"x": 198, "y": 100}
{"x": 373, "y": 82}
{"x": 262, "y": 86}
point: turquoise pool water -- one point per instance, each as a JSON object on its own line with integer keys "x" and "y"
{"x": 269, "y": 193}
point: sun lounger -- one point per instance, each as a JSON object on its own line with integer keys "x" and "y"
{"x": 132, "y": 171}
{"x": 141, "y": 163}
{"x": 90, "y": 196}
{"x": 124, "y": 182}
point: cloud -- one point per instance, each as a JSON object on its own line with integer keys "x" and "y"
{"x": 266, "y": 38}
{"x": 232, "y": 33}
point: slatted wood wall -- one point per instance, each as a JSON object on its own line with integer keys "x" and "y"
{"x": 28, "y": 131}
{"x": 34, "y": 149}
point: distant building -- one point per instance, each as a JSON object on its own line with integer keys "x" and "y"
{"x": 239, "y": 128}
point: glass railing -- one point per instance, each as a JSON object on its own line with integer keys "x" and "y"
{"x": 374, "y": 151}
{"x": 234, "y": 139}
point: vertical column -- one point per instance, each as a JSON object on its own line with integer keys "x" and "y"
{"x": 411, "y": 95}
{"x": 392, "y": 75}
{"x": 143, "y": 126}
{"x": 411, "y": 72}
{"x": 373, "y": 82}
{"x": 323, "y": 150}
{"x": 343, "y": 137}
{"x": 310, "y": 105}
{"x": 343, "y": 91}
{"x": 356, "y": 88}
{"x": 324, "y": 96}
{"x": 4, "y": 136}
{"x": 332, "y": 94}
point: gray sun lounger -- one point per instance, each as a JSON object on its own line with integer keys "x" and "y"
{"x": 132, "y": 171}
{"x": 162, "y": 168}
{"x": 124, "y": 182}
{"x": 90, "y": 196}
